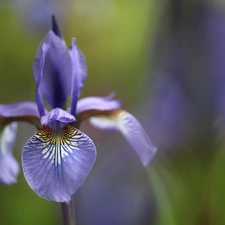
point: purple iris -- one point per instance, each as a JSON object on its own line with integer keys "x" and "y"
{"x": 58, "y": 158}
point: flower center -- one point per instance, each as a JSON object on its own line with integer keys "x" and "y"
{"x": 56, "y": 144}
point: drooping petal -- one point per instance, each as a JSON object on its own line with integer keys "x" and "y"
{"x": 132, "y": 131}
{"x": 9, "y": 167}
{"x": 79, "y": 74}
{"x": 56, "y": 162}
{"x": 57, "y": 114}
{"x": 19, "y": 109}
{"x": 56, "y": 82}
{"x": 98, "y": 103}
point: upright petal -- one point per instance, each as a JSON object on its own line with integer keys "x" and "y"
{"x": 79, "y": 74}
{"x": 39, "y": 101}
{"x": 132, "y": 131}
{"x": 56, "y": 162}
{"x": 9, "y": 167}
{"x": 56, "y": 82}
{"x": 98, "y": 103}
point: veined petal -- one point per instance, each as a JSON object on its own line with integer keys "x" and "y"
{"x": 98, "y": 103}
{"x": 132, "y": 131}
{"x": 9, "y": 167}
{"x": 79, "y": 74}
{"x": 57, "y": 72}
{"x": 19, "y": 109}
{"x": 57, "y": 114}
{"x": 56, "y": 162}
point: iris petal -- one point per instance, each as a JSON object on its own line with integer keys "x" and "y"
{"x": 98, "y": 103}
{"x": 19, "y": 109}
{"x": 56, "y": 162}
{"x": 9, "y": 167}
{"x": 57, "y": 73}
{"x": 39, "y": 101}
{"x": 57, "y": 114}
{"x": 132, "y": 131}
{"x": 78, "y": 75}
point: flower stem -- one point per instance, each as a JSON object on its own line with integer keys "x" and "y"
{"x": 72, "y": 212}
{"x": 65, "y": 213}
{"x": 68, "y": 213}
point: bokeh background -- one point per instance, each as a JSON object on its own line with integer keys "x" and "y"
{"x": 166, "y": 62}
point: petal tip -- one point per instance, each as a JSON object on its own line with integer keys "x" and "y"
{"x": 73, "y": 41}
{"x": 145, "y": 161}
{"x": 55, "y": 27}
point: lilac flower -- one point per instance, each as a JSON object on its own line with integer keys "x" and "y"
{"x": 58, "y": 158}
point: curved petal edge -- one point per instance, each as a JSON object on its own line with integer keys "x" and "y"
{"x": 131, "y": 130}
{"x": 98, "y": 103}
{"x": 19, "y": 109}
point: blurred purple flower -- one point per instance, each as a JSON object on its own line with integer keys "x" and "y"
{"x": 168, "y": 113}
{"x": 125, "y": 197}
{"x": 188, "y": 97}
{"x": 58, "y": 158}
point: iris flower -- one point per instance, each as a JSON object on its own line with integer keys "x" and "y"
{"x": 57, "y": 159}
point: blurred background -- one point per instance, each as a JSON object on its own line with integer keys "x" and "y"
{"x": 166, "y": 62}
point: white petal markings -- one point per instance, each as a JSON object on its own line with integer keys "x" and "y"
{"x": 56, "y": 144}
{"x": 56, "y": 162}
